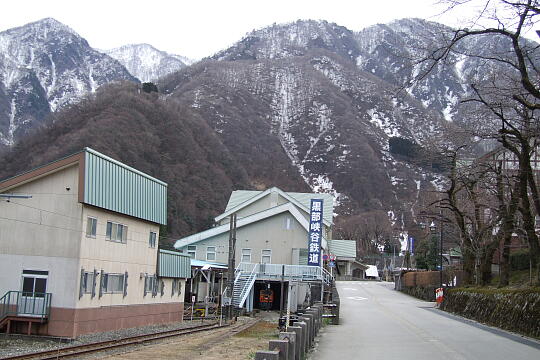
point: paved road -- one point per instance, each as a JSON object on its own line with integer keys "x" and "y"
{"x": 380, "y": 323}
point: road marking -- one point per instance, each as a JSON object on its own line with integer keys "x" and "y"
{"x": 357, "y": 298}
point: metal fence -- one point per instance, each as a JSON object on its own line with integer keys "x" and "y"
{"x": 296, "y": 272}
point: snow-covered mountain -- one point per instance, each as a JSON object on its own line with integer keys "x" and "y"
{"x": 300, "y": 83}
{"x": 45, "y": 66}
{"x": 147, "y": 63}
{"x": 312, "y": 104}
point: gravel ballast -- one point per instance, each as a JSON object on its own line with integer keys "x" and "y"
{"x": 14, "y": 344}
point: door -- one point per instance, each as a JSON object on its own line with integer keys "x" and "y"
{"x": 32, "y": 299}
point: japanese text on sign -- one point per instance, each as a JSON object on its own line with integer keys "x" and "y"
{"x": 315, "y": 232}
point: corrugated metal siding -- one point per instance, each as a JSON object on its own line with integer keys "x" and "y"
{"x": 111, "y": 185}
{"x": 174, "y": 265}
{"x": 344, "y": 248}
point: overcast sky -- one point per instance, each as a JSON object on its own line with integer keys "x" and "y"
{"x": 199, "y": 28}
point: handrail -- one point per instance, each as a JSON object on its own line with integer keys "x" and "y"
{"x": 297, "y": 272}
{"x": 251, "y": 279}
{"x": 25, "y": 303}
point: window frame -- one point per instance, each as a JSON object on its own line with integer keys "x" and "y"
{"x": 192, "y": 251}
{"x": 88, "y": 282}
{"x": 242, "y": 255}
{"x": 109, "y": 232}
{"x": 269, "y": 256}
{"x": 105, "y": 283}
{"x": 93, "y": 230}
{"x": 152, "y": 241}
{"x": 208, "y": 252}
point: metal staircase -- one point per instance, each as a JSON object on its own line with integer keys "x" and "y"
{"x": 243, "y": 283}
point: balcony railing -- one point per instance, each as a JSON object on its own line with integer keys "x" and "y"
{"x": 28, "y": 304}
{"x": 293, "y": 272}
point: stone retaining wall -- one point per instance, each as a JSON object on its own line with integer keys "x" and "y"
{"x": 514, "y": 310}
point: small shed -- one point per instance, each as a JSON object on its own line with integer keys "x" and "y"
{"x": 347, "y": 265}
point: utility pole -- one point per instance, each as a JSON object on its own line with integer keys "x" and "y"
{"x": 441, "y": 237}
{"x": 231, "y": 263}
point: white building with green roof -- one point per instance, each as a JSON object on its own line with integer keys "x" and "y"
{"x": 272, "y": 232}
{"x": 79, "y": 249}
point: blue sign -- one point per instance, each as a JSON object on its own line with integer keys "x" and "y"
{"x": 411, "y": 245}
{"x": 315, "y": 232}
{"x": 331, "y": 264}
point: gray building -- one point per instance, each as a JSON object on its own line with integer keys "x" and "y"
{"x": 271, "y": 240}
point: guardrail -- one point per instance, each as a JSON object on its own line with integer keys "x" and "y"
{"x": 296, "y": 272}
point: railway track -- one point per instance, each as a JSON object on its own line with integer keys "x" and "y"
{"x": 72, "y": 351}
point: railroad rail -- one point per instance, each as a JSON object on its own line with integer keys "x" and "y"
{"x": 71, "y": 351}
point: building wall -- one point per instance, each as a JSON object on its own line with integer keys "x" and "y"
{"x": 271, "y": 233}
{"x": 135, "y": 256}
{"x": 48, "y": 232}
{"x": 43, "y": 233}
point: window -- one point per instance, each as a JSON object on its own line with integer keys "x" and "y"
{"x": 87, "y": 282}
{"x": 266, "y": 256}
{"x": 192, "y": 251}
{"x": 176, "y": 287}
{"x": 112, "y": 283}
{"x": 152, "y": 239}
{"x": 150, "y": 284}
{"x": 210, "y": 253}
{"x": 246, "y": 255}
{"x": 288, "y": 223}
{"x": 116, "y": 232}
{"x": 91, "y": 225}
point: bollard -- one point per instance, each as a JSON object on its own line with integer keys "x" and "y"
{"x": 335, "y": 312}
{"x": 311, "y": 324}
{"x": 280, "y": 345}
{"x": 267, "y": 355}
{"x": 304, "y": 327}
{"x": 299, "y": 343}
{"x": 291, "y": 338}
{"x": 307, "y": 321}
{"x": 316, "y": 322}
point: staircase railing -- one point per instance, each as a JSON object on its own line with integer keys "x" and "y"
{"x": 248, "y": 284}
{"x": 25, "y": 304}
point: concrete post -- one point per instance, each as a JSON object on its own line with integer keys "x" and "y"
{"x": 299, "y": 343}
{"x": 291, "y": 338}
{"x": 280, "y": 345}
{"x": 305, "y": 335}
{"x": 267, "y": 355}
{"x": 315, "y": 314}
{"x": 310, "y": 319}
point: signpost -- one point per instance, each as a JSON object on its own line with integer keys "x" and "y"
{"x": 315, "y": 232}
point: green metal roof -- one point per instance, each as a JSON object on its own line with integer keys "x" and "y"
{"x": 173, "y": 264}
{"x": 114, "y": 186}
{"x": 342, "y": 248}
{"x": 239, "y": 197}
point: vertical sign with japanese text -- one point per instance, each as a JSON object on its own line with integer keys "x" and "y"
{"x": 315, "y": 232}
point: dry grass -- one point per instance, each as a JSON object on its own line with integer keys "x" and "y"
{"x": 262, "y": 329}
